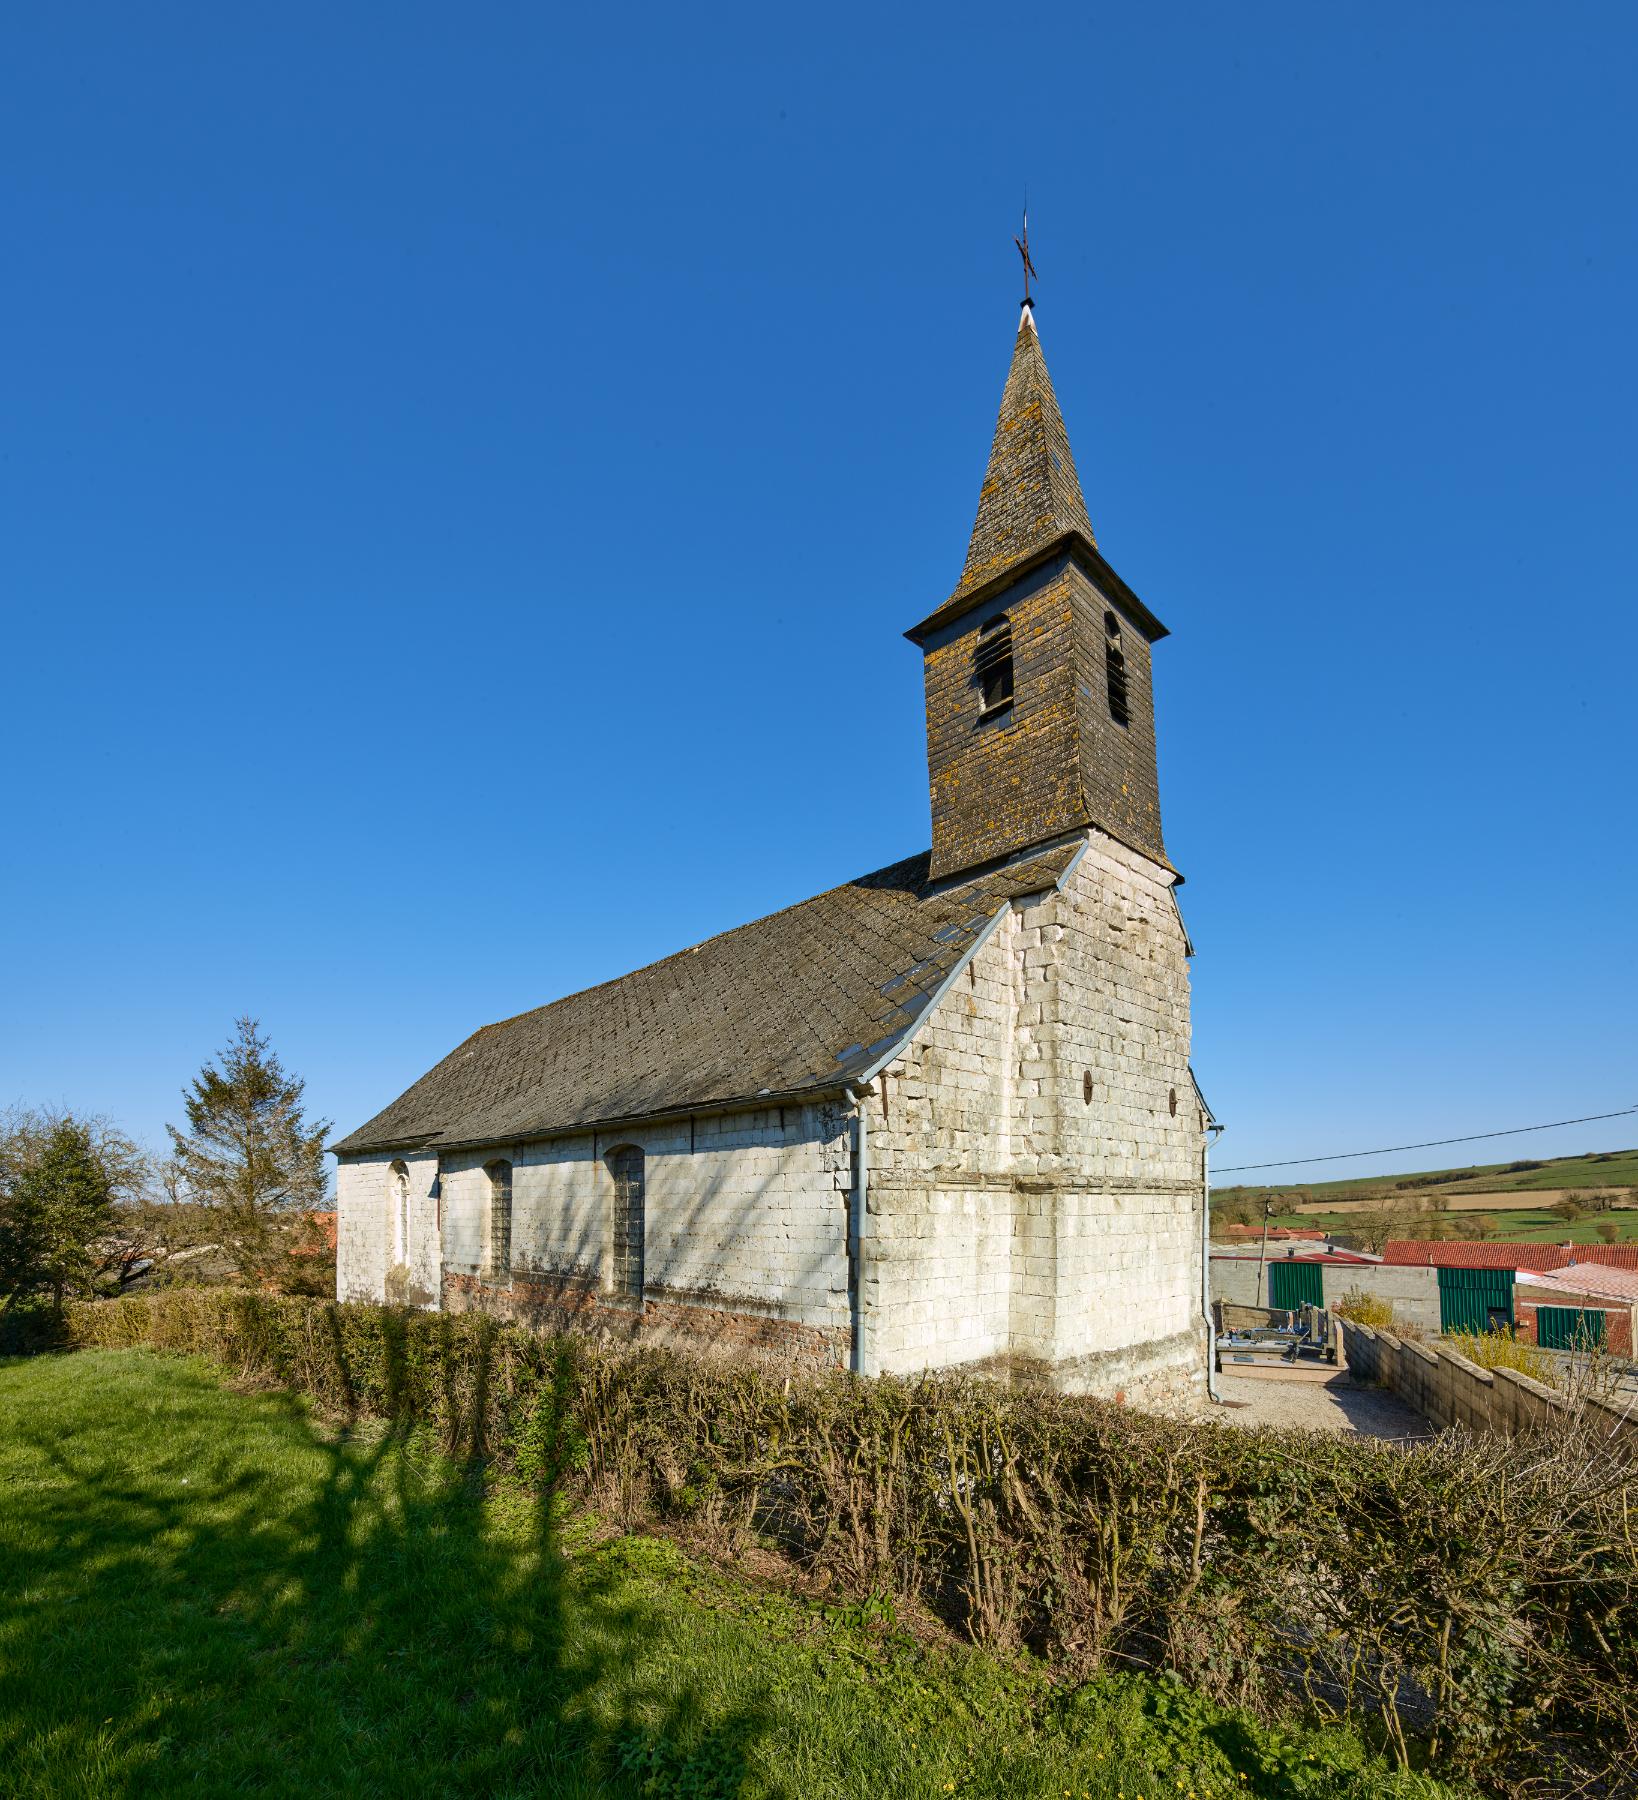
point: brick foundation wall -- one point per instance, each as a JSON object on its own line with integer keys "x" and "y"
{"x": 554, "y": 1305}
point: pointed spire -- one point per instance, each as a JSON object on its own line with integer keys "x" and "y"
{"x": 1031, "y": 494}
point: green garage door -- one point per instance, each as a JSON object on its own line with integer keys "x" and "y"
{"x": 1476, "y": 1300}
{"x": 1294, "y": 1284}
{"x": 1568, "y": 1328}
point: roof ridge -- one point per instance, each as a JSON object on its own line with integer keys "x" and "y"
{"x": 716, "y": 937}
{"x": 794, "y": 1005}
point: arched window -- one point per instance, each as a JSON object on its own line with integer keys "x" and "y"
{"x": 626, "y": 1238}
{"x": 399, "y": 1183}
{"x": 992, "y": 665}
{"x": 500, "y": 1219}
{"x": 1114, "y": 664}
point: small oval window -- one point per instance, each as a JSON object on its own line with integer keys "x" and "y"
{"x": 1086, "y": 1086}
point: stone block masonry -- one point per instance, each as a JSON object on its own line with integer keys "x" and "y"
{"x": 1036, "y": 1152}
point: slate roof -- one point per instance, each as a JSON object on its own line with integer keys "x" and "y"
{"x": 1030, "y": 506}
{"x": 1031, "y": 493}
{"x": 793, "y": 1005}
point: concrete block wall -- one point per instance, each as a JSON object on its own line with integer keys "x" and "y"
{"x": 1412, "y": 1292}
{"x": 1448, "y": 1390}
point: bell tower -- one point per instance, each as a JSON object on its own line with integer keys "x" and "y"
{"x": 1040, "y": 711}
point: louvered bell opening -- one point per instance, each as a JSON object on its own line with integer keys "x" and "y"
{"x": 993, "y": 666}
{"x": 1114, "y": 662}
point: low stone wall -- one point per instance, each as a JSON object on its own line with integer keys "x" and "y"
{"x": 1449, "y": 1390}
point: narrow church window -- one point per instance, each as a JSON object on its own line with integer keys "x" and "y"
{"x": 626, "y": 1260}
{"x": 1086, "y": 1086}
{"x": 500, "y": 1219}
{"x": 400, "y": 1211}
{"x": 1114, "y": 661}
{"x": 993, "y": 665}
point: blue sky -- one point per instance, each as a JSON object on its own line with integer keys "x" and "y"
{"x": 464, "y": 475}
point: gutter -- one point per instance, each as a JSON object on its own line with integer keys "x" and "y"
{"x": 862, "y": 1363}
{"x": 1212, "y": 1130}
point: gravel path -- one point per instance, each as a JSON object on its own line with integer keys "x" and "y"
{"x": 1340, "y": 1404}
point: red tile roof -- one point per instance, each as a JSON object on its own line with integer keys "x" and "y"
{"x": 1277, "y": 1234}
{"x": 1456, "y": 1254}
{"x": 1585, "y": 1278}
{"x": 1611, "y": 1256}
{"x": 1462, "y": 1254}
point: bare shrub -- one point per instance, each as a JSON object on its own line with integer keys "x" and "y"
{"x": 1472, "y": 1597}
{"x": 1366, "y": 1309}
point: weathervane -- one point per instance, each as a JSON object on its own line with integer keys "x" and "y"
{"x": 1023, "y": 251}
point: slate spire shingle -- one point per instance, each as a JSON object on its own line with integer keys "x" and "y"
{"x": 1031, "y": 494}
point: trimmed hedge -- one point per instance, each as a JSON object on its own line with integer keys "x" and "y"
{"x": 1470, "y": 1599}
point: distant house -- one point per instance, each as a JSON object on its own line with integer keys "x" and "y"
{"x": 1579, "y": 1304}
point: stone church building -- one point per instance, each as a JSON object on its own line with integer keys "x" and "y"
{"x": 939, "y": 1116}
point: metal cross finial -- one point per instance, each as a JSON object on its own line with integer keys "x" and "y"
{"x": 1023, "y": 251}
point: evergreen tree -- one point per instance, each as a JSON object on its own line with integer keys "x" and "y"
{"x": 57, "y": 1197}
{"x": 249, "y": 1152}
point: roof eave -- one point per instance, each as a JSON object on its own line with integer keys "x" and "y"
{"x": 845, "y": 1079}
{"x": 1075, "y": 543}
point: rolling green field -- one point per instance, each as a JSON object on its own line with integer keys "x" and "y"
{"x": 206, "y": 1592}
{"x": 1534, "y": 1225}
{"x": 1610, "y": 1169}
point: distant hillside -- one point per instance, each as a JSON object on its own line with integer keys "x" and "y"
{"x": 1605, "y": 1169}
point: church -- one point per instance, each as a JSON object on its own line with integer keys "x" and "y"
{"x": 940, "y": 1116}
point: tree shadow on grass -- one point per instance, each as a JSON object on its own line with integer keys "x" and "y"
{"x": 202, "y": 1591}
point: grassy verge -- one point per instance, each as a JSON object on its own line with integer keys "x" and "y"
{"x": 204, "y": 1591}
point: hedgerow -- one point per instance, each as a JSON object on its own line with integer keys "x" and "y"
{"x": 1470, "y": 1600}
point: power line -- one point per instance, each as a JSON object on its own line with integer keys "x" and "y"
{"x": 1431, "y": 1144}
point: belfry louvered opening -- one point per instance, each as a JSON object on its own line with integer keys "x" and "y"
{"x": 992, "y": 665}
{"x": 1114, "y": 664}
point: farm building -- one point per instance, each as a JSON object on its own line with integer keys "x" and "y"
{"x": 939, "y": 1115}
{"x": 1578, "y": 1305}
{"x": 1432, "y": 1284}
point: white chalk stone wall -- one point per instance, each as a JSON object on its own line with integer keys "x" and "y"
{"x": 387, "y": 1229}
{"x": 745, "y": 1212}
{"x": 1036, "y": 1152}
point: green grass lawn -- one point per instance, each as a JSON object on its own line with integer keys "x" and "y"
{"x": 204, "y": 1592}
{"x": 1602, "y": 1169}
{"x": 1523, "y": 1225}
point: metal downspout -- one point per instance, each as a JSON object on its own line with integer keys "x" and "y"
{"x": 1205, "y": 1262}
{"x": 858, "y": 1213}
